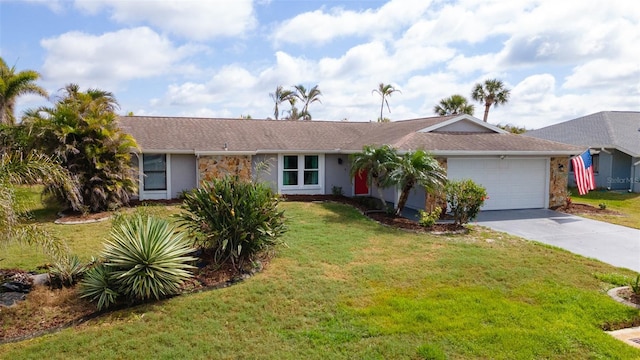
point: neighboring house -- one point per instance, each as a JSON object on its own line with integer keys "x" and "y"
{"x": 312, "y": 157}
{"x": 614, "y": 140}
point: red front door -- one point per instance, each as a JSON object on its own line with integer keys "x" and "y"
{"x": 361, "y": 186}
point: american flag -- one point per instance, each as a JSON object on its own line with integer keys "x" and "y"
{"x": 583, "y": 172}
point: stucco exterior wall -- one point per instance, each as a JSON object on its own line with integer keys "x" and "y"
{"x": 620, "y": 178}
{"x": 337, "y": 167}
{"x": 558, "y": 180}
{"x": 264, "y": 168}
{"x": 217, "y": 166}
{"x": 183, "y": 174}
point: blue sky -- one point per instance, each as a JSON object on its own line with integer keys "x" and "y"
{"x": 222, "y": 58}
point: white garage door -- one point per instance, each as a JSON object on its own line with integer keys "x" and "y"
{"x": 510, "y": 183}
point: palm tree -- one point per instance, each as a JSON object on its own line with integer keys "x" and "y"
{"x": 293, "y": 113}
{"x": 81, "y": 130}
{"x": 492, "y": 92}
{"x": 307, "y": 98}
{"x": 377, "y": 162}
{"x": 454, "y": 105}
{"x": 19, "y": 168}
{"x": 384, "y": 91}
{"x": 279, "y": 96}
{"x": 416, "y": 168}
{"x": 12, "y": 85}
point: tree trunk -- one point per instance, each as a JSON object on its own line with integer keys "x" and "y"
{"x": 4, "y": 118}
{"x": 404, "y": 196}
{"x": 486, "y": 111}
{"x": 383, "y": 202}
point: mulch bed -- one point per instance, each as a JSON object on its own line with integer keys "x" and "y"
{"x": 578, "y": 209}
{"x": 72, "y": 310}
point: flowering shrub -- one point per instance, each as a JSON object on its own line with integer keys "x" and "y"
{"x": 428, "y": 219}
{"x": 464, "y": 198}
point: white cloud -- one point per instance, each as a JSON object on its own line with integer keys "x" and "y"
{"x": 111, "y": 58}
{"x": 320, "y": 26}
{"x": 192, "y": 19}
{"x": 605, "y": 73}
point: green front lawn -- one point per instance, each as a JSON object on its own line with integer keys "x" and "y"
{"x": 345, "y": 287}
{"x": 628, "y": 204}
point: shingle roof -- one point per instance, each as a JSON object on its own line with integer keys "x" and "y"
{"x": 608, "y": 129}
{"x": 201, "y": 135}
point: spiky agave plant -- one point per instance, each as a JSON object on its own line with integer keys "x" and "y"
{"x": 147, "y": 258}
{"x": 99, "y": 286}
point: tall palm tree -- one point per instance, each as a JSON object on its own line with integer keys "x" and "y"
{"x": 384, "y": 91}
{"x": 279, "y": 96}
{"x": 377, "y": 162}
{"x": 416, "y": 168}
{"x": 19, "y": 168}
{"x": 307, "y": 98}
{"x": 13, "y": 85}
{"x": 454, "y": 105}
{"x": 492, "y": 92}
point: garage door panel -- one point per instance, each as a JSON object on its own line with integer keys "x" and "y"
{"x": 510, "y": 183}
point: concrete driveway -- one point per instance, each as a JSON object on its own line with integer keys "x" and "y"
{"x": 613, "y": 244}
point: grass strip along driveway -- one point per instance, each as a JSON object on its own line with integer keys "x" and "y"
{"x": 345, "y": 287}
{"x": 628, "y": 204}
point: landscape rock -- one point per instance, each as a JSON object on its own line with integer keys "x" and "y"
{"x": 40, "y": 279}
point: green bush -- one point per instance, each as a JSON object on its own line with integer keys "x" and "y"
{"x": 148, "y": 258}
{"x": 66, "y": 271}
{"x": 234, "y": 219}
{"x": 635, "y": 285}
{"x": 464, "y": 198}
{"x": 99, "y": 286}
{"x": 144, "y": 259}
{"x": 428, "y": 219}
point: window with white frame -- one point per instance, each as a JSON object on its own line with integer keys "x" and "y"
{"x": 155, "y": 171}
{"x": 311, "y": 170}
{"x": 300, "y": 171}
{"x": 290, "y": 170}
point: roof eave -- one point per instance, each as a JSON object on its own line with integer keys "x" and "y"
{"x": 505, "y": 152}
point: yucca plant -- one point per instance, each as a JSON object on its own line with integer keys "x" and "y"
{"x": 233, "y": 218}
{"x": 66, "y": 271}
{"x": 99, "y": 286}
{"x": 148, "y": 258}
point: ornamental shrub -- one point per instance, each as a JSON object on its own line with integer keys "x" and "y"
{"x": 66, "y": 271}
{"x": 233, "y": 219}
{"x": 428, "y": 219}
{"x": 464, "y": 198}
{"x": 100, "y": 286}
{"x": 144, "y": 259}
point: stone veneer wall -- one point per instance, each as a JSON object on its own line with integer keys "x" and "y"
{"x": 217, "y": 166}
{"x": 434, "y": 200}
{"x": 558, "y": 180}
